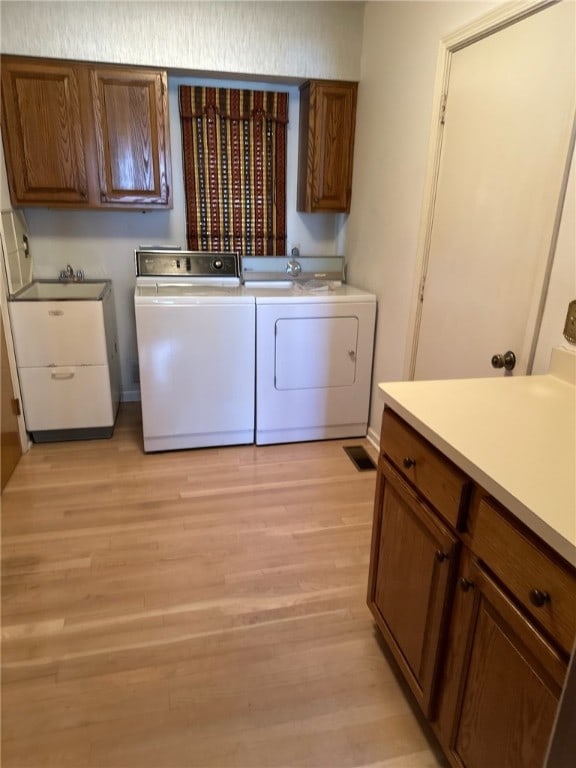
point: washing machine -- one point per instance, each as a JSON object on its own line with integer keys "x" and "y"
{"x": 314, "y": 350}
{"x": 195, "y": 328}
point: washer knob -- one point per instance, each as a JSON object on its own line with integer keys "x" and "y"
{"x": 293, "y": 268}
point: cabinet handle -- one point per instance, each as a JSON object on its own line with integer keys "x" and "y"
{"x": 60, "y": 376}
{"x": 539, "y": 598}
{"x": 465, "y": 584}
{"x": 440, "y": 556}
{"x": 408, "y": 462}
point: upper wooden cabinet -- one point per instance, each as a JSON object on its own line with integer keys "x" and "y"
{"x": 42, "y": 132}
{"x": 80, "y": 136}
{"x": 327, "y": 121}
{"x": 130, "y": 118}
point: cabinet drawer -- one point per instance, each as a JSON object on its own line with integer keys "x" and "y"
{"x": 58, "y": 333}
{"x": 435, "y": 477}
{"x": 66, "y": 397}
{"x": 528, "y": 572}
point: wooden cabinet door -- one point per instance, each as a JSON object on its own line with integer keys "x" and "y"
{"x": 412, "y": 568}
{"x": 327, "y": 121}
{"x": 505, "y": 685}
{"x": 132, "y": 138}
{"x": 42, "y": 133}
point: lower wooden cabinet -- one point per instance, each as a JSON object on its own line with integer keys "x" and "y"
{"x": 414, "y": 557}
{"x": 478, "y": 613}
{"x": 499, "y": 701}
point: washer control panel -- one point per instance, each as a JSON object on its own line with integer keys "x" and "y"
{"x": 177, "y": 263}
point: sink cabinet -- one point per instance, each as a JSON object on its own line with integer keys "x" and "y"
{"x": 326, "y": 137}
{"x": 83, "y": 136}
{"x": 68, "y": 366}
{"x": 477, "y": 611}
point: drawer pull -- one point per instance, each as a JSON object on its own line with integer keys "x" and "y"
{"x": 539, "y": 598}
{"x": 440, "y": 556}
{"x": 408, "y": 462}
{"x": 465, "y": 584}
{"x": 62, "y": 375}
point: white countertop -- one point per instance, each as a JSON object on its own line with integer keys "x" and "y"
{"x": 514, "y": 435}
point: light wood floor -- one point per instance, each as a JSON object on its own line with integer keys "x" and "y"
{"x": 194, "y": 608}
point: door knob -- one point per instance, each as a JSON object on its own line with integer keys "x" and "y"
{"x": 507, "y": 360}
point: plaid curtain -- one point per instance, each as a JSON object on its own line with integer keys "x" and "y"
{"x": 234, "y": 153}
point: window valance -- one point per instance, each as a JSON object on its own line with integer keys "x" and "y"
{"x": 234, "y": 153}
{"x": 233, "y": 104}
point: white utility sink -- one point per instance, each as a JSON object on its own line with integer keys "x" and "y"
{"x": 58, "y": 290}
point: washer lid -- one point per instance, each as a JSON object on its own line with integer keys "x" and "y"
{"x": 184, "y": 293}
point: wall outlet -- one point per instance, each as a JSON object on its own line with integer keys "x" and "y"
{"x": 570, "y": 324}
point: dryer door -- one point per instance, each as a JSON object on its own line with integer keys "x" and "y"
{"x": 315, "y": 352}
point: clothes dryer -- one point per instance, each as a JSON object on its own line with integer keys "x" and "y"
{"x": 314, "y": 352}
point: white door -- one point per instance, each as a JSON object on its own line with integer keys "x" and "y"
{"x": 506, "y": 139}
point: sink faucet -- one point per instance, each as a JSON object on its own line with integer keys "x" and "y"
{"x": 69, "y": 275}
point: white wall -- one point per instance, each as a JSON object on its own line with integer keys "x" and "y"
{"x": 399, "y": 58}
{"x": 562, "y": 288}
{"x": 288, "y": 41}
{"x": 276, "y": 39}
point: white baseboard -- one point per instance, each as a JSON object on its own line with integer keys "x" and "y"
{"x": 374, "y": 438}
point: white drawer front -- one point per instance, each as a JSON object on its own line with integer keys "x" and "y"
{"x": 66, "y": 397}
{"x": 58, "y": 333}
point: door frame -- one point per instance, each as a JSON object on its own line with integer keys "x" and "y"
{"x": 7, "y": 330}
{"x": 486, "y": 25}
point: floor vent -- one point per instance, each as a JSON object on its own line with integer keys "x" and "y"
{"x": 359, "y": 457}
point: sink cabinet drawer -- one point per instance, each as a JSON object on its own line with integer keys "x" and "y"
{"x": 58, "y": 333}
{"x": 439, "y": 481}
{"x": 72, "y": 397}
{"x": 543, "y": 584}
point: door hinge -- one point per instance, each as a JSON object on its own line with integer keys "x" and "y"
{"x": 422, "y": 285}
{"x": 443, "y": 108}
{"x": 16, "y": 410}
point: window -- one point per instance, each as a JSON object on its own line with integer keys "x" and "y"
{"x": 234, "y": 153}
